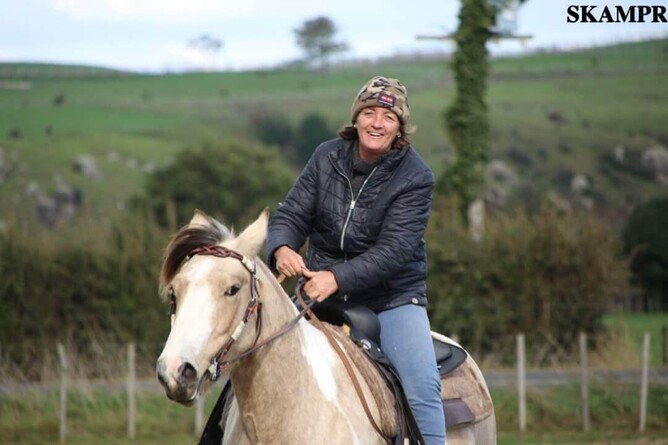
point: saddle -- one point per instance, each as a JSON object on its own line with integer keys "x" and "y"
{"x": 364, "y": 329}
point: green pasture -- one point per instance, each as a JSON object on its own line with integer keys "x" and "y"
{"x": 624, "y": 57}
{"x": 632, "y": 327}
{"x": 602, "y": 98}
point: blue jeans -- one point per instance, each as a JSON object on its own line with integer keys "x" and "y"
{"x": 405, "y": 337}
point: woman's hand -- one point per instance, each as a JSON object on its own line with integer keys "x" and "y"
{"x": 320, "y": 285}
{"x": 289, "y": 262}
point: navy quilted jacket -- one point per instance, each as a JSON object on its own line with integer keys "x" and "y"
{"x": 373, "y": 243}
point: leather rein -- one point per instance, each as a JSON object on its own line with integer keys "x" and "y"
{"x": 219, "y": 362}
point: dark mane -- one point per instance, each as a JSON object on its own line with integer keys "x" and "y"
{"x": 186, "y": 239}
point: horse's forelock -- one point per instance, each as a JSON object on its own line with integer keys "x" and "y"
{"x": 185, "y": 240}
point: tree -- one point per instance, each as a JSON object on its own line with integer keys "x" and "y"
{"x": 316, "y": 38}
{"x": 466, "y": 120}
{"x": 207, "y": 44}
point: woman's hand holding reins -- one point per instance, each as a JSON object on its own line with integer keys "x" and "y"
{"x": 320, "y": 285}
{"x": 289, "y": 262}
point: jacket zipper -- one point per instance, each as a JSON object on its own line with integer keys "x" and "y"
{"x": 351, "y": 207}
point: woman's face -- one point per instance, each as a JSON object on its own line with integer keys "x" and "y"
{"x": 377, "y": 127}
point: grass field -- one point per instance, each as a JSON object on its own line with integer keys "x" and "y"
{"x": 100, "y": 416}
{"x": 603, "y": 98}
{"x": 631, "y": 328}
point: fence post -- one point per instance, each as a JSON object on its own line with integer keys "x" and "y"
{"x": 664, "y": 343}
{"x": 131, "y": 391}
{"x": 584, "y": 389}
{"x": 644, "y": 377}
{"x": 521, "y": 382}
{"x": 63, "y": 392}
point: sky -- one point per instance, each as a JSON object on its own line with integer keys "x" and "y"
{"x": 153, "y": 35}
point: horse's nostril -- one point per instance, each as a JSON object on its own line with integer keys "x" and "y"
{"x": 187, "y": 372}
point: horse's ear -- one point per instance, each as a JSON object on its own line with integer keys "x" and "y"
{"x": 251, "y": 239}
{"x": 200, "y": 219}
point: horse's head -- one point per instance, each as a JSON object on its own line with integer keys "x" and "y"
{"x": 209, "y": 294}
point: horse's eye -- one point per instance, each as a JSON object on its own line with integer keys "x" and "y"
{"x": 232, "y": 290}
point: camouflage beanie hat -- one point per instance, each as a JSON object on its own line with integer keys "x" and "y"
{"x": 383, "y": 92}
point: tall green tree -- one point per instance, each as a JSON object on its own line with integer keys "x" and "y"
{"x": 466, "y": 120}
{"x": 316, "y": 38}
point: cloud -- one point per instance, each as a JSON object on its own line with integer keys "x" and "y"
{"x": 163, "y": 11}
{"x": 178, "y": 11}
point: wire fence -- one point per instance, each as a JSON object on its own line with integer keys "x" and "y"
{"x": 519, "y": 378}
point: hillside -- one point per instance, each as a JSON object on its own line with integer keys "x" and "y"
{"x": 572, "y": 126}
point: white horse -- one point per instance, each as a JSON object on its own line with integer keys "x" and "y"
{"x": 230, "y": 313}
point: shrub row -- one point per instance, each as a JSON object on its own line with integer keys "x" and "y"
{"x": 548, "y": 275}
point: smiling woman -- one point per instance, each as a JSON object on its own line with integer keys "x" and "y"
{"x": 363, "y": 201}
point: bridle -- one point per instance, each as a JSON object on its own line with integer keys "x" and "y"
{"x": 219, "y": 362}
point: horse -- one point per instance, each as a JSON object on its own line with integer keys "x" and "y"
{"x": 231, "y": 316}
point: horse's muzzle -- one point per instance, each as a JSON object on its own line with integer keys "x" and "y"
{"x": 181, "y": 387}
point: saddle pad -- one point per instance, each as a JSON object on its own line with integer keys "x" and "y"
{"x": 467, "y": 383}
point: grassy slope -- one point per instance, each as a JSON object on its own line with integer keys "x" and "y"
{"x": 620, "y": 98}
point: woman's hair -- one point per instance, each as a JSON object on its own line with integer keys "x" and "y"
{"x": 349, "y": 133}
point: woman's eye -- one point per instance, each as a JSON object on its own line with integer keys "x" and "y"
{"x": 232, "y": 290}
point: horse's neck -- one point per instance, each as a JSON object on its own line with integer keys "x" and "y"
{"x": 300, "y": 357}
{"x": 295, "y": 374}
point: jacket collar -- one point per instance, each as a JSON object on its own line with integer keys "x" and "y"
{"x": 343, "y": 154}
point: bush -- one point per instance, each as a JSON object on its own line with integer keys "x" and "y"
{"x": 91, "y": 285}
{"x": 273, "y": 128}
{"x": 549, "y": 276}
{"x": 233, "y": 181}
{"x": 81, "y": 288}
{"x": 297, "y": 145}
{"x": 645, "y": 240}
{"x": 312, "y": 131}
